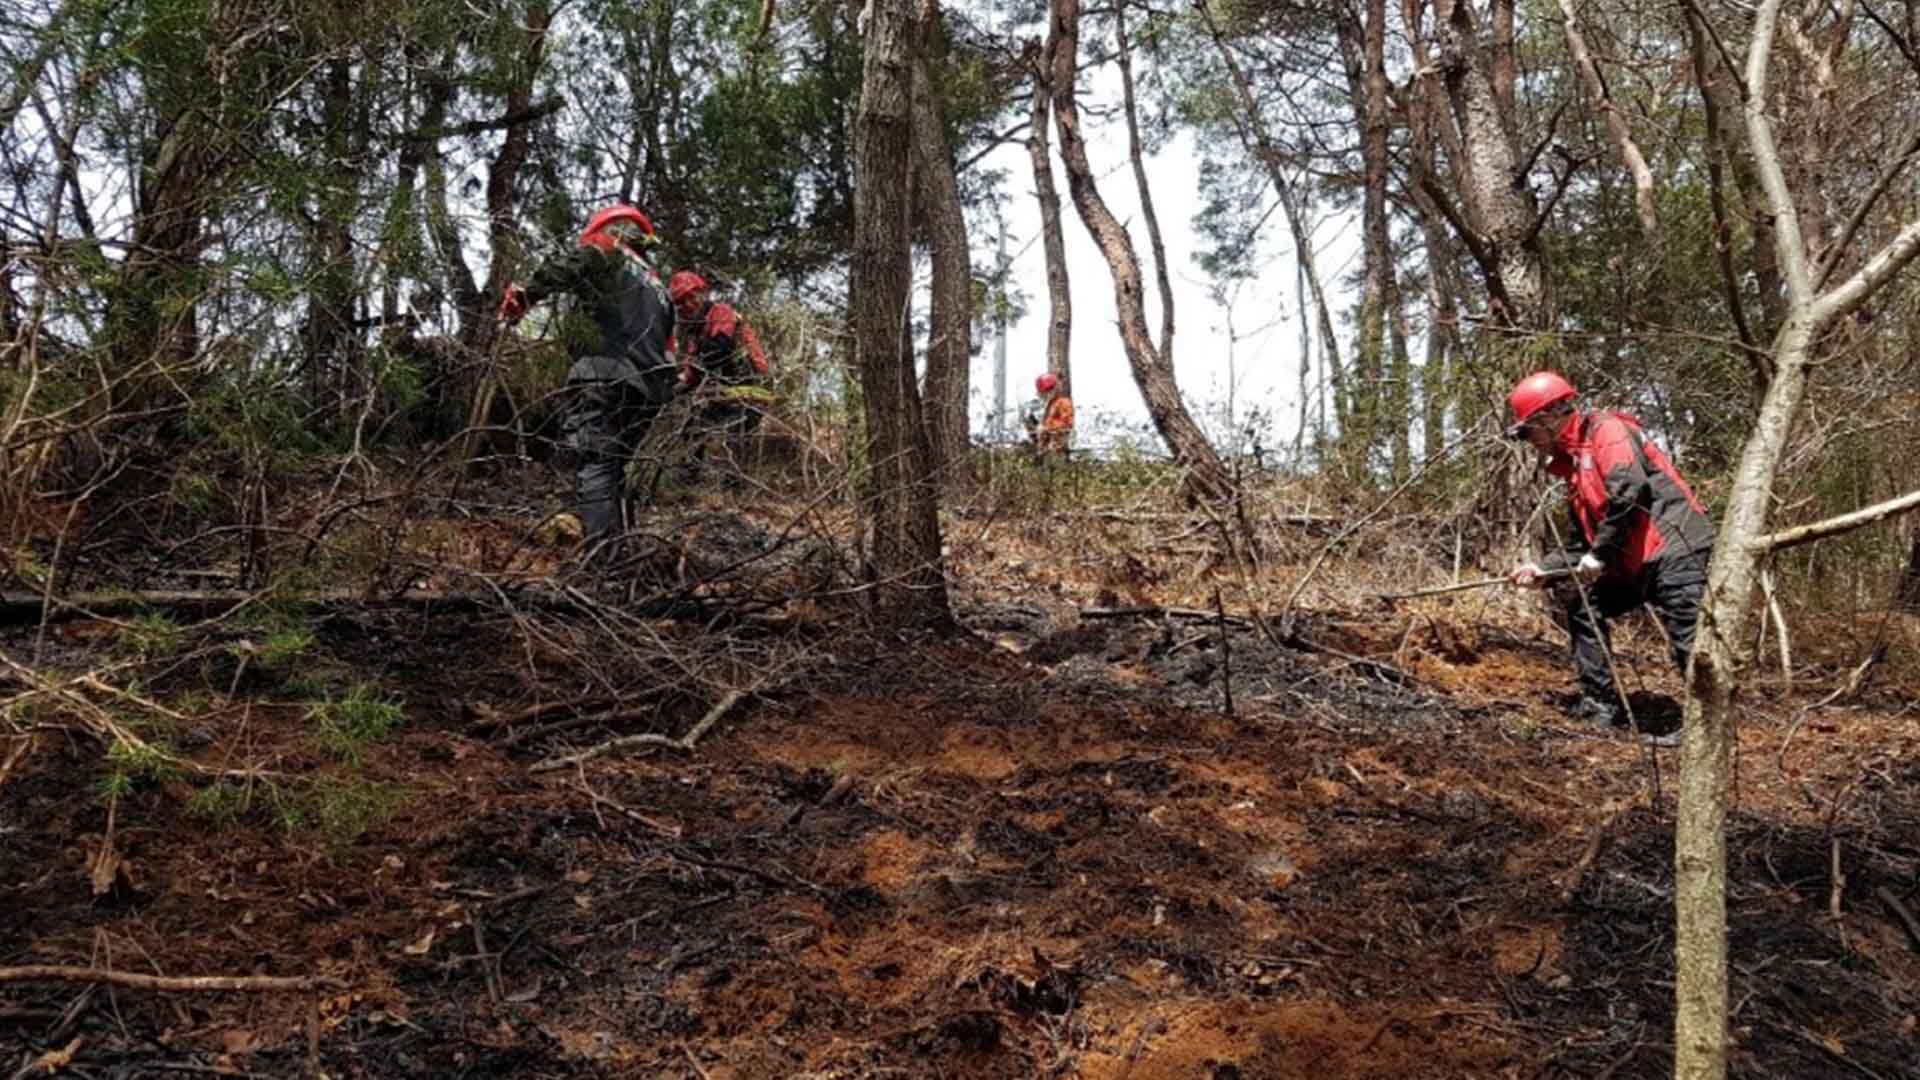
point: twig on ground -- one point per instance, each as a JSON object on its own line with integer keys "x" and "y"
{"x": 685, "y": 742}
{"x": 1595, "y": 841}
{"x": 170, "y": 983}
{"x": 491, "y": 718}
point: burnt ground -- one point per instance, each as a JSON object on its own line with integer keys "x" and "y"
{"x": 1041, "y": 849}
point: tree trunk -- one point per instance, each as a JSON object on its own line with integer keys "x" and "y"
{"x": 1253, "y": 135}
{"x": 1616, "y": 124}
{"x": 1501, "y": 220}
{"x": 1375, "y": 419}
{"x": 329, "y": 335}
{"x": 1206, "y": 478}
{"x": 903, "y": 557}
{"x": 1718, "y": 99}
{"x": 1052, "y": 239}
{"x": 478, "y": 329}
{"x": 1725, "y": 634}
{"x": 1136, "y": 156}
{"x": 950, "y": 341}
{"x": 1908, "y": 595}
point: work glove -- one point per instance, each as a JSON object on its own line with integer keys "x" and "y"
{"x": 1525, "y": 575}
{"x": 513, "y": 304}
{"x": 1588, "y": 569}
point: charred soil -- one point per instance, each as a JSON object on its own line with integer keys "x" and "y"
{"x": 1043, "y": 847}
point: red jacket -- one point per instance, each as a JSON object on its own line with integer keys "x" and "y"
{"x": 721, "y": 344}
{"x": 1630, "y": 502}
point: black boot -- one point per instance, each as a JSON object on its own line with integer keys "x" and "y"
{"x": 1597, "y": 712}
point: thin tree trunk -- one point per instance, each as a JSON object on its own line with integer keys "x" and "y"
{"x": 950, "y": 341}
{"x": 1052, "y": 239}
{"x": 1623, "y": 143}
{"x": 903, "y": 558}
{"x": 1254, "y": 136}
{"x": 1206, "y": 477}
{"x": 1907, "y": 596}
{"x": 1137, "y": 157}
{"x": 1725, "y": 632}
{"x": 1363, "y": 44}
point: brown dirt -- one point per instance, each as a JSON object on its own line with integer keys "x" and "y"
{"x": 1049, "y": 857}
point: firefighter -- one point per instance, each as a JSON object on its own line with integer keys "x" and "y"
{"x": 617, "y": 338}
{"x": 1639, "y": 535}
{"x": 720, "y": 352}
{"x": 1049, "y": 420}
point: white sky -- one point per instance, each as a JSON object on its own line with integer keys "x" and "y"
{"x": 1264, "y": 363}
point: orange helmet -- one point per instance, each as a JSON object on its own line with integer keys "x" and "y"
{"x": 1538, "y": 391}
{"x": 1046, "y": 382}
{"x": 685, "y": 284}
{"x": 621, "y": 221}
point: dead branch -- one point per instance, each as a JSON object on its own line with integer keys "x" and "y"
{"x": 685, "y": 742}
{"x": 16, "y": 608}
{"x": 487, "y": 718}
{"x": 1834, "y": 526}
{"x": 1149, "y": 612}
{"x": 1900, "y": 912}
{"x": 267, "y": 984}
{"x": 1588, "y": 854}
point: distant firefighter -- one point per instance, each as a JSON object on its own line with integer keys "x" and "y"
{"x": 1049, "y": 419}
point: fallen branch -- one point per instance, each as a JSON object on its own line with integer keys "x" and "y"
{"x": 170, "y": 983}
{"x": 488, "y": 718}
{"x": 1588, "y": 854}
{"x": 1900, "y": 912}
{"x": 26, "y": 608}
{"x": 1380, "y": 668}
{"x": 1149, "y": 612}
{"x": 685, "y": 742}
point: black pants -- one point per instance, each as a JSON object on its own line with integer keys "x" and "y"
{"x": 608, "y": 411}
{"x": 1670, "y": 585}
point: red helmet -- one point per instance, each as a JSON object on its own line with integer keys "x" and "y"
{"x": 685, "y": 284}
{"x": 1046, "y": 382}
{"x": 1540, "y": 390}
{"x": 622, "y": 221}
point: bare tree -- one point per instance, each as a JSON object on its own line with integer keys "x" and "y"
{"x": 903, "y": 557}
{"x": 1700, "y": 902}
{"x": 1152, "y": 371}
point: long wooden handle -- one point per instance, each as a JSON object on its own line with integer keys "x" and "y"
{"x": 1463, "y": 586}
